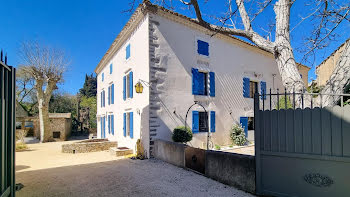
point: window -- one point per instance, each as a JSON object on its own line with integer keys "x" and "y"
{"x": 127, "y": 51}
{"x": 103, "y": 76}
{"x": 203, "y": 83}
{"x": 111, "y": 94}
{"x": 253, "y": 88}
{"x": 128, "y": 124}
{"x": 111, "y": 124}
{"x": 103, "y": 98}
{"x": 110, "y": 68}
{"x": 128, "y": 86}
{"x": 203, "y": 121}
{"x": 203, "y": 47}
{"x": 200, "y": 122}
{"x": 250, "y": 123}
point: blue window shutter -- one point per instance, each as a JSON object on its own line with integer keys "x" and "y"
{"x": 101, "y": 100}
{"x": 127, "y": 51}
{"x": 101, "y": 127}
{"x": 124, "y": 124}
{"x": 246, "y": 87}
{"x": 212, "y": 84}
{"x": 131, "y": 124}
{"x": 195, "y": 82}
{"x": 124, "y": 88}
{"x": 263, "y": 89}
{"x": 112, "y": 94}
{"x": 108, "y": 95}
{"x": 131, "y": 84}
{"x": 112, "y": 124}
{"x": 244, "y": 123}
{"x": 110, "y": 69}
{"x": 201, "y": 85}
{"x": 195, "y": 121}
{"x": 212, "y": 121}
{"x": 203, "y": 48}
{"x": 109, "y": 123}
{"x": 104, "y": 127}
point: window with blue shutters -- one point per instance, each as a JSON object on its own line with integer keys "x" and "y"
{"x": 110, "y": 68}
{"x": 103, "y": 76}
{"x": 200, "y": 122}
{"x": 128, "y": 124}
{"x": 112, "y": 124}
{"x": 127, "y": 50}
{"x": 112, "y": 93}
{"x": 102, "y": 98}
{"x": 103, "y": 121}
{"x": 128, "y": 86}
{"x": 203, "y": 83}
{"x": 212, "y": 121}
{"x": 202, "y": 47}
{"x": 244, "y": 123}
{"x": 263, "y": 89}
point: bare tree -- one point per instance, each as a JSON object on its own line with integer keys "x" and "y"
{"x": 46, "y": 66}
{"x": 326, "y": 14}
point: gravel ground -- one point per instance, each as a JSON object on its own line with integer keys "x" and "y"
{"x": 248, "y": 150}
{"x": 45, "y": 171}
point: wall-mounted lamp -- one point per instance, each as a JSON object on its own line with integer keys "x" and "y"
{"x": 139, "y": 87}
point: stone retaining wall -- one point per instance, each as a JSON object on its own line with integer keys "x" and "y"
{"x": 87, "y": 147}
{"x": 229, "y": 168}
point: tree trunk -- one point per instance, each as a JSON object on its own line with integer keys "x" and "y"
{"x": 44, "y": 121}
{"x": 283, "y": 51}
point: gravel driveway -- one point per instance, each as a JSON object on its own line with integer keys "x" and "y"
{"x": 44, "y": 171}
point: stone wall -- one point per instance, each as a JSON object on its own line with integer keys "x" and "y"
{"x": 170, "y": 152}
{"x": 85, "y": 147}
{"x": 232, "y": 169}
{"x": 228, "y": 168}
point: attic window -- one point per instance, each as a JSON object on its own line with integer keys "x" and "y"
{"x": 203, "y": 47}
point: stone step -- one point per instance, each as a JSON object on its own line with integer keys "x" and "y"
{"x": 120, "y": 151}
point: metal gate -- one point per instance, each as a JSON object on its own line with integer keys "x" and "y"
{"x": 304, "y": 151}
{"x": 7, "y": 124}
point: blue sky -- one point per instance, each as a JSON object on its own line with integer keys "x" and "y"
{"x": 86, "y": 28}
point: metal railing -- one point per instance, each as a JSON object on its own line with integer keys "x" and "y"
{"x": 7, "y": 124}
{"x": 294, "y": 100}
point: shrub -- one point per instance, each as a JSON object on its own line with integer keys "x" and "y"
{"x": 217, "y": 147}
{"x": 237, "y": 135}
{"x": 282, "y": 102}
{"x": 21, "y": 146}
{"x": 182, "y": 135}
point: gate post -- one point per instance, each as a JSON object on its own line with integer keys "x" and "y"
{"x": 257, "y": 124}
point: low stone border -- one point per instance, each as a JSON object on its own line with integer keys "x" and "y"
{"x": 86, "y": 147}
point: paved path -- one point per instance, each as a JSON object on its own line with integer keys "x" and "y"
{"x": 45, "y": 171}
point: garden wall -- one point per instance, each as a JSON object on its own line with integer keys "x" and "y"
{"x": 228, "y": 168}
{"x": 170, "y": 152}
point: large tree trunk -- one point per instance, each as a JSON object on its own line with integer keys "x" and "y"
{"x": 283, "y": 51}
{"x": 44, "y": 121}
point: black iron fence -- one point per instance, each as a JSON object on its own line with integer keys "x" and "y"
{"x": 7, "y": 124}
{"x": 276, "y": 100}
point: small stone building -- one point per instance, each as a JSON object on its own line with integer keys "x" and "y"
{"x": 60, "y": 123}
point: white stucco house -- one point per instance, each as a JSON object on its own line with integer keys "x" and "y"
{"x": 178, "y": 62}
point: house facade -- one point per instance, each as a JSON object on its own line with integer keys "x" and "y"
{"x": 327, "y": 66}
{"x": 178, "y": 62}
